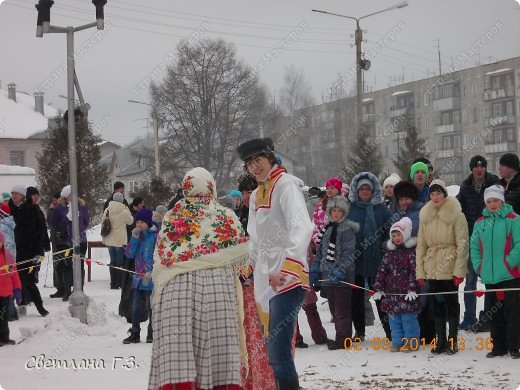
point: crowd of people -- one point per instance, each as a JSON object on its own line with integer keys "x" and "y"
{"x": 224, "y": 274}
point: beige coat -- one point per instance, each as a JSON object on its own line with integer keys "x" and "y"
{"x": 119, "y": 216}
{"x": 442, "y": 242}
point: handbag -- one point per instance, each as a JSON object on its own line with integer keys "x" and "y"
{"x": 106, "y": 226}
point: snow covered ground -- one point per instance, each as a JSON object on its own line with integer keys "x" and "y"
{"x": 112, "y": 365}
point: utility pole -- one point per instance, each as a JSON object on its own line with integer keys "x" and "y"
{"x": 439, "y": 53}
{"x": 155, "y": 124}
{"x": 361, "y": 64}
{"x": 78, "y": 300}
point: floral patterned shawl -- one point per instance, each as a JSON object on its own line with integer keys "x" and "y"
{"x": 197, "y": 225}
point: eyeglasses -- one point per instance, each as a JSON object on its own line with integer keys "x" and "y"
{"x": 254, "y": 162}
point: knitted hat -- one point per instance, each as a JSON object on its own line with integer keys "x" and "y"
{"x": 247, "y": 183}
{"x": 366, "y": 181}
{"x": 406, "y": 189}
{"x": 338, "y": 202}
{"x": 159, "y": 212}
{"x": 65, "y": 191}
{"x": 56, "y": 195}
{"x": 118, "y": 185}
{"x": 510, "y": 160}
{"x": 419, "y": 166}
{"x": 477, "y": 161}
{"x": 495, "y": 191}
{"x": 32, "y": 191}
{"x": 19, "y": 188}
{"x": 404, "y": 225}
{"x": 144, "y": 215}
{"x": 255, "y": 147}
{"x": 334, "y": 182}
{"x": 118, "y": 197}
{"x": 314, "y": 191}
{"x": 5, "y": 196}
{"x": 391, "y": 180}
{"x": 235, "y": 194}
{"x": 437, "y": 185}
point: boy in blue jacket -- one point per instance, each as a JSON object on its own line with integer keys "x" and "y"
{"x": 141, "y": 247}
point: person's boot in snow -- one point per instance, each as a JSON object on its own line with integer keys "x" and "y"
{"x": 453, "y": 327}
{"x": 134, "y": 338}
{"x": 7, "y": 342}
{"x": 288, "y": 385}
{"x": 440, "y": 330}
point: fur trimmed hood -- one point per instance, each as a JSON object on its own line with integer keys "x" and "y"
{"x": 341, "y": 202}
{"x": 377, "y": 196}
{"x": 448, "y": 212}
{"x": 410, "y": 243}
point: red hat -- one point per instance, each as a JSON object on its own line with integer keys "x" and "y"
{"x": 334, "y": 182}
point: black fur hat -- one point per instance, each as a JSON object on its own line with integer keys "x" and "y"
{"x": 406, "y": 189}
{"x": 255, "y": 147}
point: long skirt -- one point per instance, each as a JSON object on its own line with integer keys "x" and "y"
{"x": 196, "y": 332}
{"x": 260, "y": 375}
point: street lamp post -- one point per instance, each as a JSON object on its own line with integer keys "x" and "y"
{"x": 78, "y": 300}
{"x": 155, "y": 123}
{"x": 361, "y": 64}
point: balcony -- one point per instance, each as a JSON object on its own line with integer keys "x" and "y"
{"x": 451, "y": 128}
{"x": 369, "y": 118}
{"x": 451, "y": 103}
{"x": 504, "y": 119}
{"x": 499, "y": 94}
{"x": 501, "y": 147}
{"x": 403, "y": 111}
{"x": 448, "y": 153}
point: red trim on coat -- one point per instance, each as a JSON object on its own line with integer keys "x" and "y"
{"x": 514, "y": 272}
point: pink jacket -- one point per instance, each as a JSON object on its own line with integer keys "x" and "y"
{"x": 8, "y": 281}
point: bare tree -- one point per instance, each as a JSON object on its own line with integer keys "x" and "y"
{"x": 208, "y": 103}
{"x": 296, "y": 92}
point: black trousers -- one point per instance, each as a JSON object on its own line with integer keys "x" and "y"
{"x": 63, "y": 266}
{"x": 4, "y": 315}
{"x": 444, "y": 306}
{"x": 29, "y": 280}
{"x": 505, "y": 317}
{"x": 358, "y": 308}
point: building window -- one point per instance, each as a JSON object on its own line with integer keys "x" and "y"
{"x": 446, "y": 143}
{"x": 418, "y": 123}
{"x": 426, "y": 122}
{"x": 456, "y": 141}
{"x": 510, "y": 135}
{"x": 456, "y": 116}
{"x": 498, "y": 136}
{"x": 17, "y": 157}
{"x": 487, "y": 82}
{"x": 131, "y": 186}
{"x": 496, "y": 110}
{"x": 509, "y": 108}
{"x": 496, "y": 83}
{"x": 475, "y": 115}
{"x": 465, "y": 140}
{"x": 426, "y": 99}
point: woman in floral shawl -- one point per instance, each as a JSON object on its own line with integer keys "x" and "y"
{"x": 199, "y": 341}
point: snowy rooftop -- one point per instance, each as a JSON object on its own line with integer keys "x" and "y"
{"x": 499, "y": 71}
{"x": 366, "y": 100}
{"x": 401, "y": 93}
{"x": 15, "y": 170}
{"x": 19, "y": 119}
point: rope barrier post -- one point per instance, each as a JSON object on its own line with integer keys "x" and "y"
{"x": 89, "y": 264}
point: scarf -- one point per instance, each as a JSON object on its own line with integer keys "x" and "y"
{"x": 331, "y": 250}
{"x": 370, "y": 245}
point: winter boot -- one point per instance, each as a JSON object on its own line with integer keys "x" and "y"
{"x": 57, "y": 294}
{"x": 440, "y": 330}
{"x": 42, "y": 310}
{"x": 288, "y": 385}
{"x": 149, "y": 336}
{"x": 453, "y": 328}
{"x": 134, "y": 338}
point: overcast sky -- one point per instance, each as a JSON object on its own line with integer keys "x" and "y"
{"x": 141, "y": 37}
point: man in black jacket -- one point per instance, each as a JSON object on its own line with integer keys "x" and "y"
{"x": 471, "y": 199}
{"x": 31, "y": 239}
{"x": 509, "y": 168}
{"x": 118, "y": 187}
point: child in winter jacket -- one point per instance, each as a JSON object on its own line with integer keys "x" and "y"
{"x": 334, "y": 263}
{"x": 9, "y": 285}
{"x": 495, "y": 253}
{"x": 396, "y": 275}
{"x": 141, "y": 247}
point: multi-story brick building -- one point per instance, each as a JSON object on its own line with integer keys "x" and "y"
{"x": 460, "y": 114}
